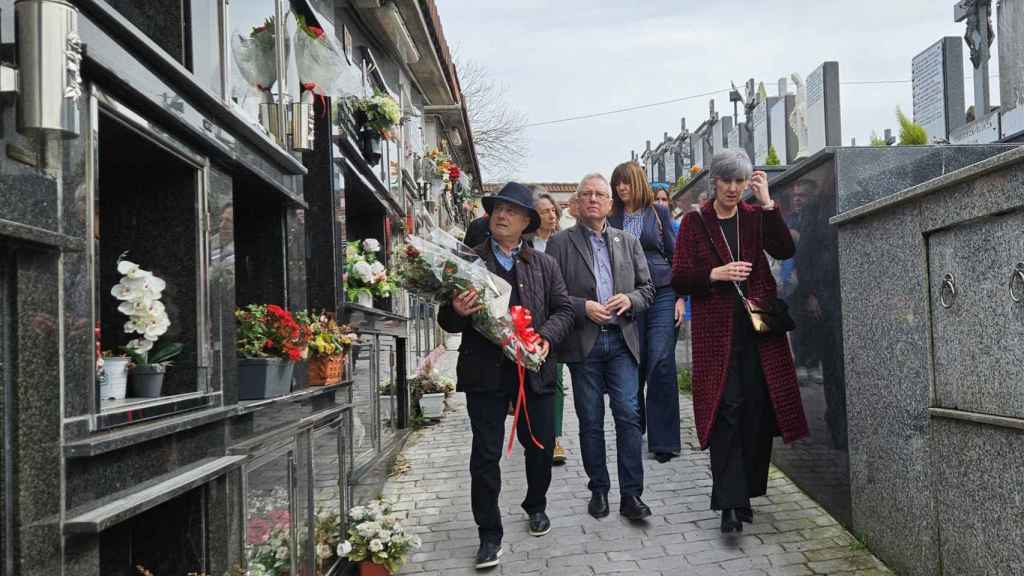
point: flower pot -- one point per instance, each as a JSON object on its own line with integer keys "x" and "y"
{"x": 147, "y": 380}
{"x": 260, "y": 378}
{"x": 432, "y": 405}
{"x": 365, "y": 299}
{"x": 385, "y": 408}
{"x": 369, "y": 142}
{"x": 367, "y": 568}
{"x": 324, "y": 370}
{"x": 115, "y": 385}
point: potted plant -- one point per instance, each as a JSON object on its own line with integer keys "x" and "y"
{"x": 270, "y": 342}
{"x": 365, "y": 276}
{"x": 268, "y": 530}
{"x": 376, "y": 540}
{"x": 429, "y": 391}
{"x": 329, "y": 343}
{"x": 139, "y": 292}
{"x": 375, "y": 116}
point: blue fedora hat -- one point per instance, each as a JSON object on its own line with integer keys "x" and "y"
{"x": 518, "y": 194}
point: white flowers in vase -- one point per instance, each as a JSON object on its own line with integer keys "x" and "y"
{"x": 139, "y": 292}
{"x": 375, "y": 535}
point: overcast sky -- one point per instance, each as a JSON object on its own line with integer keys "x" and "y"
{"x": 570, "y": 57}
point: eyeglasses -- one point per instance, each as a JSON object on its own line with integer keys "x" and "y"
{"x": 592, "y": 196}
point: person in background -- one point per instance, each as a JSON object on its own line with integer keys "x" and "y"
{"x": 634, "y": 210}
{"x": 550, "y": 221}
{"x": 477, "y": 231}
{"x": 745, "y": 390}
{"x": 605, "y": 272}
{"x": 490, "y": 379}
{"x": 661, "y": 198}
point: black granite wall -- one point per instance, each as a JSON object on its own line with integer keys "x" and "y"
{"x": 259, "y": 244}
{"x": 166, "y": 22}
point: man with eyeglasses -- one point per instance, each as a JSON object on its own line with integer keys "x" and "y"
{"x": 606, "y": 274}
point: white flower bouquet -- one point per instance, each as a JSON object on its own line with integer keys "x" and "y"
{"x": 375, "y": 535}
{"x": 363, "y": 272}
{"x": 139, "y": 292}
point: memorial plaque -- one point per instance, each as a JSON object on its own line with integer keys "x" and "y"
{"x": 983, "y": 131}
{"x": 732, "y": 138}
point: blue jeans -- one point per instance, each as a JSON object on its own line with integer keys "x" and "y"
{"x": 609, "y": 369}
{"x": 659, "y": 365}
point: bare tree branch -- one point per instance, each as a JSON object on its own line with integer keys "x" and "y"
{"x": 498, "y": 128}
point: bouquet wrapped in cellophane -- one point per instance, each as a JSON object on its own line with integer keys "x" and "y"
{"x": 441, "y": 267}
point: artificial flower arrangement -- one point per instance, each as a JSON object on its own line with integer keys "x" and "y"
{"x": 364, "y": 274}
{"x": 139, "y": 292}
{"x": 328, "y": 536}
{"x": 329, "y": 342}
{"x": 444, "y": 168}
{"x": 269, "y": 331}
{"x": 268, "y": 534}
{"x": 442, "y": 267}
{"x": 379, "y": 112}
{"x": 376, "y": 536}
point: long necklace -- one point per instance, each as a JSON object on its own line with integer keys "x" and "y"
{"x": 735, "y": 258}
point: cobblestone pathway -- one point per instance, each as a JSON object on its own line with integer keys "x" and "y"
{"x": 791, "y": 534}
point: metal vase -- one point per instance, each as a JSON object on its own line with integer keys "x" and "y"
{"x": 49, "y": 61}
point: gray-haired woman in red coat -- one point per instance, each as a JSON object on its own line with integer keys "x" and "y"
{"x": 745, "y": 389}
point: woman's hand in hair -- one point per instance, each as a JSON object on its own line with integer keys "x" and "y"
{"x": 759, "y": 186}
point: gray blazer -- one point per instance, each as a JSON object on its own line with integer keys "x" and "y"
{"x": 630, "y": 276}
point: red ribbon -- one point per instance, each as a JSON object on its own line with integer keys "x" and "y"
{"x": 313, "y": 87}
{"x": 526, "y": 338}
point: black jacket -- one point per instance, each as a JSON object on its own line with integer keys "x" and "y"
{"x": 541, "y": 291}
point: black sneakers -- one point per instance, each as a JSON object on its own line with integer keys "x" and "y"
{"x": 539, "y": 524}
{"x": 488, "y": 554}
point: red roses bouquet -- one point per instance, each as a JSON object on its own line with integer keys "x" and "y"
{"x": 442, "y": 267}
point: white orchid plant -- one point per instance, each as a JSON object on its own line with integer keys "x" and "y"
{"x": 376, "y": 535}
{"x": 364, "y": 273}
{"x": 139, "y": 292}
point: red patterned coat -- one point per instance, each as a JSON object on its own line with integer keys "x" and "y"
{"x": 712, "y": 312}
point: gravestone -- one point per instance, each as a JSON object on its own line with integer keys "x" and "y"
{"x": 769, "y": 129}
{"x": 982, "y": 131}
{"x": 732, "y": 138}
{"x": 783, "y": 137}
{"x": 1010, "y": 19}
{"x": 938, "y": 86}
{"x": 977, "y": 14}
{"x": 823, "y": 115}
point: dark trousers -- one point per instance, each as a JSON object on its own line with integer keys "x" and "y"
{"x": 741, "y": 441}
{"x": 487, "y": 413}
{"x": 609, "y": 369}
{"x": 658, "y": 371}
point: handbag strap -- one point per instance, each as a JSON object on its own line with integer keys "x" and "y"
{"x": 711, "y": 243}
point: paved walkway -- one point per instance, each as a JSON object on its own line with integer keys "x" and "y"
{"x": 791, "y": 534}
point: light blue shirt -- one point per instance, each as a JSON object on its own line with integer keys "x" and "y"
{"x": 633, "y": 223}
{"x": 507, "y": 261}
{"x": 602, "y": 266}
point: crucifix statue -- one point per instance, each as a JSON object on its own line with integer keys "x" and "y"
{"x": 979, "y": 37}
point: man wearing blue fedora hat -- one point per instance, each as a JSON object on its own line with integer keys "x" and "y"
{"x": 490, "y": 380}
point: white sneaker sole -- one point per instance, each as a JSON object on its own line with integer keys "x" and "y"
{"x": 539, "y": 534}
{"x": 492, "y": 563}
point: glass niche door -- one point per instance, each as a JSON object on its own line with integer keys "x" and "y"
{"x": 365, "y": 421}
{"x": 149, "y": 267}
{"x": 270, "y": 513}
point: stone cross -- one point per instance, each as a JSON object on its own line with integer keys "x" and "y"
{"x": 979, "y": 37}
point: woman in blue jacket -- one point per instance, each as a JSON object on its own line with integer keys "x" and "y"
{"x": 635, "y": 211}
